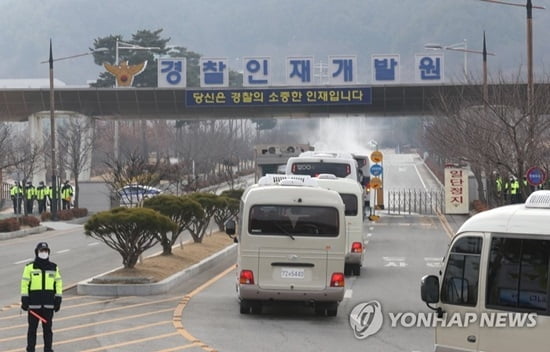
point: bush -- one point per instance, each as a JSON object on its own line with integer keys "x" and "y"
{"x": 46, "y": 216}
{"x": 65, "y": 214}
{"x": 9, "y": 225}
{"x": 29, "y": 220}
{"x": 79, "y": 212}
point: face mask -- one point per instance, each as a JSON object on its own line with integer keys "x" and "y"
{"x": 43, "y": 255}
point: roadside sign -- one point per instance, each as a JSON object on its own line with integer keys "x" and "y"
{"x": 375, "y": 183}
{"x": 376, "y": 156}
{"x": 376, "y": 170}
{"x": 536, "y": 176}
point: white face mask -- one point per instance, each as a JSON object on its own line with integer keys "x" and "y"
{"x": 43, "y": 255}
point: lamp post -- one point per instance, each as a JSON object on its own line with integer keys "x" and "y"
{"x": 530, "y": 80}
{"x": 51, "y": 60}
{"x": 119, "y": 45}
{"x": 453, "y": 47}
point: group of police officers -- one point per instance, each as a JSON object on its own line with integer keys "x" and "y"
{"x": 509, "y": 190}
{"x": 42, "y": 194}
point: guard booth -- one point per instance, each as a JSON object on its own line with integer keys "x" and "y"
{"x": 271, "y": 158}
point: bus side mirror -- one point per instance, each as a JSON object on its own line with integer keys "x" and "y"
{"x": 230, "y": 227}
{"x": 429, "y": 289}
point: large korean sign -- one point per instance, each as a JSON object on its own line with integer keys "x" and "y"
{"x": 304, "y": 71}
{"x": 456, "y": 190}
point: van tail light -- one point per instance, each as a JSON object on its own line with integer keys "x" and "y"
{"x": 356, "y": 247}
{"x": 293, "y": 168}
{"x": 337, "y": 280}
{"x": 246, "y": 277}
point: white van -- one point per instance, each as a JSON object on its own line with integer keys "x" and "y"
{"x": 496, "y": 274}
{"x": 352, "y": 195}
{"x": 292, "y": 244}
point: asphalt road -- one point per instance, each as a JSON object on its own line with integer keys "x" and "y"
{"x": 203, "y": 314}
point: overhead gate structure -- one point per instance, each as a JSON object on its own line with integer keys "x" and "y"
{"x": 408, "y": 201}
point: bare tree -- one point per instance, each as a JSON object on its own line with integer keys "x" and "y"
{"x": 76, "y": 144}
{"x": 501, "y": 135}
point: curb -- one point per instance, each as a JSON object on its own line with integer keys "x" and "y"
{"x": 21, "y": 233}
{"x": 164, "y": 286}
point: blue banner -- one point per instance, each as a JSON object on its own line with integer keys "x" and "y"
{"x": 277, "y": 97}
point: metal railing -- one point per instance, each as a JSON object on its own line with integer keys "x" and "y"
{"x": 408, "y": 201}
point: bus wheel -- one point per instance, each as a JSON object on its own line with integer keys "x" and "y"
{"x": 244, "y": 307}
{"x": 256, "y": 307}
{"x": 332, "y": 309}
{"x": 320, "y": 309}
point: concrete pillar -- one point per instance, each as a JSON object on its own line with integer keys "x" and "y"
{"x": 88, "y": 138}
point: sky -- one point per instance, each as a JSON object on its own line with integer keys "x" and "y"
{"x": 275, "y": 28}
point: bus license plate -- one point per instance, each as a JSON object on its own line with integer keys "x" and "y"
{"x": 291, "y": 273}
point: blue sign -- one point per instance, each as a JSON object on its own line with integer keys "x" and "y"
{"x": 536, "y": 176}
{"x": 277, "y": 97}
{"x": 376, "y": 169}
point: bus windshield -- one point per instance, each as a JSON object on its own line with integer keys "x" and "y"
{"x": 290, "y": 220}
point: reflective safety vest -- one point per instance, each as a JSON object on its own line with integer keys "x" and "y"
{"x": 41, "y": 192}
{"x": 67, "y": 192}
{"x": 16, "y": 191}
{"x": 30, "y": 192}
{"x": 514, "y": 187}
{"x": 41, "y": 285}
{"x": 499, "y": 184}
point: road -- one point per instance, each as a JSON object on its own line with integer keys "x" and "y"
{"x": 195, "y": 317}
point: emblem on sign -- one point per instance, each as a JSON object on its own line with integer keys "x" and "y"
{"x": 125, "y": 73}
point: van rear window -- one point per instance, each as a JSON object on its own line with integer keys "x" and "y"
{"x": 289, "y": 220}
{"x": 314, "y": 169}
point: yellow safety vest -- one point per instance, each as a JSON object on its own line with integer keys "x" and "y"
{"x": 41, "y": 286}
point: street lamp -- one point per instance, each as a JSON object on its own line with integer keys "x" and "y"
{"x": 119, "y": 45}
{"x": 52, "y": 121}
{"x": 453, "y": 47}
{"x": 529, "y": 7}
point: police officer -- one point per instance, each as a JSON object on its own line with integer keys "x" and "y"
{"x": 66, "y": 195}
{"x": 41, "y": 196}
{"x": 30, "y": 196}
{"x": 41, "y": 290}
{"x": 16, "y": 194}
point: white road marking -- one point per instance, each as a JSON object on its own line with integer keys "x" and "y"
{"x": 24, "y": 261}
{"x": 396, "y": 264}
{"x": 394, "y": 259}
{"x": 433, "y": 259}
{"x": 62, "y": 251}
{"x": 369, "y": 234}
{"x": 348, "y": 293}
{"x": 93, "y": 244}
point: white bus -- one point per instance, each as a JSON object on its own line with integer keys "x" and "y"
{"x": 352, "y": 196}
{"x": 292, "y": 243}
{"x": 496, "y": 273}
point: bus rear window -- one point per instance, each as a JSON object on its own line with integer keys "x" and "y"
{"x": 314, "y": 169}
{"x": 289, "y": 220}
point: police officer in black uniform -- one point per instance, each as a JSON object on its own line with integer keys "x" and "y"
{"x": 41, "y": 290}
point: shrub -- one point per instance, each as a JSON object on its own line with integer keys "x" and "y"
{"x": 79, "y": 212}
{"x": 9, "y": 225}
{"x": 65, "y": 214}
{"x": 29, "y": 220}
{"x": 46, "y": 216}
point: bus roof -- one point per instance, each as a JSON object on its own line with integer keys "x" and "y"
{"x": 530, "y": 218}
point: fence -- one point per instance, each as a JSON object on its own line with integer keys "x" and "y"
{"x": 409, "y": 201}
{"x": 4, "y": 194}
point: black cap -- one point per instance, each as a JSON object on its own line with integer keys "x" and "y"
{"x": 41, "y": 246}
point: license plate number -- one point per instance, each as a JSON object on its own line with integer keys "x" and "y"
{"x": 291, "y": 273}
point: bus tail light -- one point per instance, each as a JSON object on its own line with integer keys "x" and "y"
{"x": 356, "y": 247}
{"x": 246, "y": 277}
{"x": 337, "y": 280}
